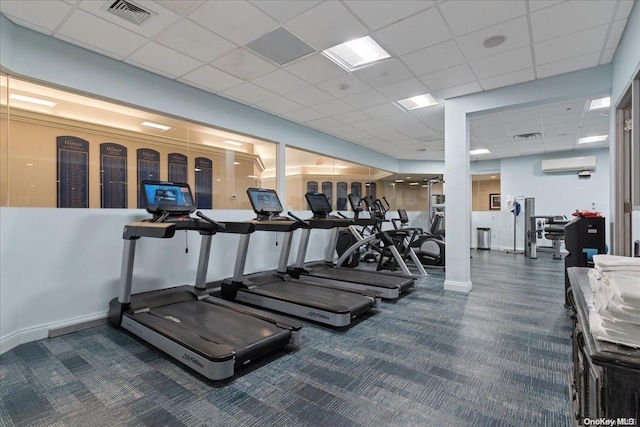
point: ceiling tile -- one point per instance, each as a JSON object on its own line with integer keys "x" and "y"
{"x": 90, "y": 31}
{"x": 243, "y": 64}
{"x": 542, "y": 4}
{"x": 369, "y": 125}
{"x": 503, "y": 63}
{"x": 352, "y": 117}
{"x": 403, "y": 89}
{"x": 507, "y": 79}
{"x": 401, "y": 120}
{"x": 249, "y": 93}
{"x": 303, "y": 115}
{"x": 69, "y": 40}
{"x": 333, "y": 107}
{"x": 315, "y": 69}
{"x": 372, "y": 141}
{"x": 382, "y": 110}
{"x": 278, "y": 105}
{"x": 516, "y": 31}
{"x": 325, "y": 123}
{"x": 465, "y": 16}
{"x": 384, "y": 73}
{"x": 210, "y": 79}
{"x": 624, "y": 9}
{"x": 309, "y": 96}
{"x": 450, "y": 77}
{"x": 284, "y": 10}
{"x": 572, "y": 45}
{"x": 616, "y": 32}
{"x": 377, "y": 14}
{"x": 569, "y": 17}
{"x": 568, "y": 65}
{"x": 161, "y": 17}
{"x": 336, "y": 86}
{"x": 365, "y": 99}
{"x": 327, "y": 25}
{"x": 414, "y": 33}
{"x": 559, "y": 129}
{"x": 237, "y": 21}
{"x": 430, "y": 115}
{"x": 161, "y": 58}
{"x": 192, "y": 40}
{"x": 490, "y": 132}
{"x": 434, "y": 58}
{"x": 47, "y": 15}
{"x": 485, "y": 120}
{"x": 280, "y": 82}
{"x": 607, "y": 56}
{"x": 460, "y": 90}
{"x": 180, "y": 7}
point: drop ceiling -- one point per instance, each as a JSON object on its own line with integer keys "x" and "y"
{"x": 435, "y": 47}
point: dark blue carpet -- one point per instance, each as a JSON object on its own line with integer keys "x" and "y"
{"x": 496, "y": 357}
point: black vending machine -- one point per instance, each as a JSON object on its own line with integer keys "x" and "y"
{"x": 583, "y": 238}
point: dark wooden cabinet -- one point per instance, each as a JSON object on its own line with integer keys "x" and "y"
{"x": 604, "y": 377}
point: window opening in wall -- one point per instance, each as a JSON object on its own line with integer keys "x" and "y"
{"x": 63, "y": 149}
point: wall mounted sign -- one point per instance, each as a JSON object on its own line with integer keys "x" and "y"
{"x": 72, "y": 172}
{"x": 177, "y": 168}
{"x": 204, "y": 183}
{"x": 113, "y": 175}
{"x": 148, "y": 162}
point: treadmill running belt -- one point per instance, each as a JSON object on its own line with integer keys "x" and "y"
{"x": 313, "y": 296}
{"x": 213, "y": 330}
{"x": 363, "y": 277}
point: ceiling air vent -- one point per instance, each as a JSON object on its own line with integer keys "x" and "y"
{"x": 129, "y": 11}
{"x": 527, "y": 136}
{"x": 280, "y": 46}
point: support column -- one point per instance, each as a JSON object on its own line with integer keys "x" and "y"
{"x": 458, "y": 199}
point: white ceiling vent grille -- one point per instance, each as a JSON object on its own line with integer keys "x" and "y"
{"x": 129, "y": 11}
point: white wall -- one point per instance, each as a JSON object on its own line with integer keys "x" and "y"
{"x": 555, "y": 194}
{"x": 62, "y": 266}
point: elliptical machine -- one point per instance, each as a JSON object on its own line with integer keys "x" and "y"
{"x": 429, "y": 248}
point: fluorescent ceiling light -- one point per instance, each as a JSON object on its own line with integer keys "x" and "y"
{"x": 596, "y": 138}
{"x": 31, "y": 100}
{"x": 596, "y": 104}
{"x": 236, "y": 163}
{"x": 252, "y": 176}
{"x": 418, "y": 101}
{"x": 156, "y": 126}
{"x": 399, "y": 181}
{"x": 356, "y": 54}
{"x": 414, "y": 183}
{"x": 479, "y": 151}
{"x": 234, "y": 143}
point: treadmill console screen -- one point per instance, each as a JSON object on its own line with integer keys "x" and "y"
{"x": 319, "y": 203}
{"x": 264, "y": 202}
{"x": 169, "y": 197}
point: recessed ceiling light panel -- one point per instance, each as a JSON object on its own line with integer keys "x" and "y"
{"x": 596, "y": 104}
{"x": 416, "y": 102}
{"x": 234, "y": 143}
{"x": 595, "y": 138}
{"x": 356, "y": 54}
{"x": 479, "y": 151}
{"x": 155, "y": 126}
{"x": 31, "y": 100}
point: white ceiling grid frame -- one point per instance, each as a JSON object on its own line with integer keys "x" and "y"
{"x": 193, "y": 40}
{"x": 53, "y": 13}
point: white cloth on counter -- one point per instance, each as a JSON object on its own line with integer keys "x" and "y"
{"x": 616, "y": 263}
{"x": 614, "y": 306}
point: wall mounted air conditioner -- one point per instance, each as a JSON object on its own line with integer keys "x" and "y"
{"x": 587, "y": 163}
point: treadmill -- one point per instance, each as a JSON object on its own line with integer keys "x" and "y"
{"x": 388, "y": 286}
{"x": 277, "y": 290}
{"x": 210, "y": 335}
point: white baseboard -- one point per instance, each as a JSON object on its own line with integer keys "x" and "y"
{"x": 450, "y": 285}
{"x": 39, "y": 332}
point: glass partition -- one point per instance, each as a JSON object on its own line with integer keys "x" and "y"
{"x": 311, "y": 172}
{"x": 61, "y": 149}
